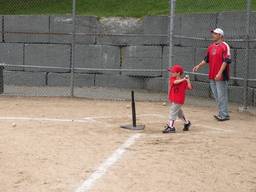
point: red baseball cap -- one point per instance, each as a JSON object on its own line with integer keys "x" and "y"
{"x": 176, "y": 68}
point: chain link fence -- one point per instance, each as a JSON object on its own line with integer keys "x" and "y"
{"x": 49, "y": 49}
{"x": 36, "y": 7}
{"x": 192, "y": 36}
{"x": 33, "y": 46}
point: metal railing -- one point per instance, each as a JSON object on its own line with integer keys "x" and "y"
{"x": 172, "y": 38}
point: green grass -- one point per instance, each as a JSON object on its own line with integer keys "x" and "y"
{"x": 189, "y": 6}
{"x": 124, "y": 8}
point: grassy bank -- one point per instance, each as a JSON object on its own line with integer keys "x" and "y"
{"x": 125, "y": 8}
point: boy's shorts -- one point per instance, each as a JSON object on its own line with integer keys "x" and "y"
{"x": 175, "y": 111}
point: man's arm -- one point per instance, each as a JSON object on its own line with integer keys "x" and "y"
{"x": 201, "y": 64}
{"x": 227, "y": 61}
{"x": 219, "y": 74}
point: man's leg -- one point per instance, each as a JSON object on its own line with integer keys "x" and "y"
{"x": 222, "y": 92}
{"x": 214, "y": 90}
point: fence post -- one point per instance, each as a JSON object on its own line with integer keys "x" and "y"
{"x": 1, "y": 79}
{"x": 172, "y": 15}
{"x": 73, "y": 48}
{"x": 172, "y": 3}
{"x": 246, "y": 68}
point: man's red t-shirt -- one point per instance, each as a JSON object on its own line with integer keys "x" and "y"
{"x": 216, "y": 55}
{"x": 177, "y": 91}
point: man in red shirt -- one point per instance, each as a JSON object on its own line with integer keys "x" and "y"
{"x": 177, "y": 91}
{"x": 218, "y": 58}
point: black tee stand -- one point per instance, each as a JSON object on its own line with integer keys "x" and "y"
{"x": 134, "y": 125}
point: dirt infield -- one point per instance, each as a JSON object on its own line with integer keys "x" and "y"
{"x": 56, "y": 144}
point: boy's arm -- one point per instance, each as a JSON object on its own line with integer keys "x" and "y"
{"x": 182, "y": 80}
{"x": 179, "y": 81}
{"x": 189, "y": 83}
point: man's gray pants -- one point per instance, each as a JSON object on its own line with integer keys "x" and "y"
{"x": 220, "y": 93}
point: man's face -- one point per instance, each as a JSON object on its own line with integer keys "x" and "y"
{"x": 216, "y": 36}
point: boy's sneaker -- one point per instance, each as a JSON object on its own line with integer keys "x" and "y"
{"x": 186, "y": 126}
{"x": 219, "y": 118}
{"x": 169, "y": 129}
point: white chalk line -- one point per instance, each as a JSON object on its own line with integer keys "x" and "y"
{"x": 210, "y": 127}
{"x": 81, "y": 120}
{"x": 193, "y": 124}
{"x": 45, "y": 119}
{"x": 214, "y": 128}
{"x": 152, "y": 115}
{"x": 96, "y": 119}
{"x": 103, "y": 168}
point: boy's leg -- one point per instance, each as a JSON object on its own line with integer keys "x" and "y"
{"x": 174, "y": 110}
{"x": 174, "y": 113}
{"x": 182, "y": 116}
{"x": 187, "y": 123}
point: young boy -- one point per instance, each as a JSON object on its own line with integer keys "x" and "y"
{"x": 177, "y": 90}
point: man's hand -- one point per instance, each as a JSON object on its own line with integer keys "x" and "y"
{"x": 218, "y": 77}
{"x": 195, "y": 69}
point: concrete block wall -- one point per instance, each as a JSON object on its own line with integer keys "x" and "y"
{"x": 1, "y": 28}
{"x": 16, "y": 27}
{"x": 196, "y": 25}
{"x": 201, "y": 89}
{"x": 119, "y": 81}
{"x": 142, "y": 57}
{"x": 97, "y": 56}
{"x": 182, "y": 55}
{"x": 236, "y": 94}
{"x": 24, "y": 78}
{"x": 12, "y": 53}
{"x": 63, "y": 24}
{"x": 240, "y": 65}
{"x": 254, "y": 99}
{"x": 51, "y": 55}
{"x": 142, "y": 45}
{"x": 63, "y": 79}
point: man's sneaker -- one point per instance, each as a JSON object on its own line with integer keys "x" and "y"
{"x": 186, "y": 126}
{"x": 169, "y": 129}
{"x": 219, "y": 118}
